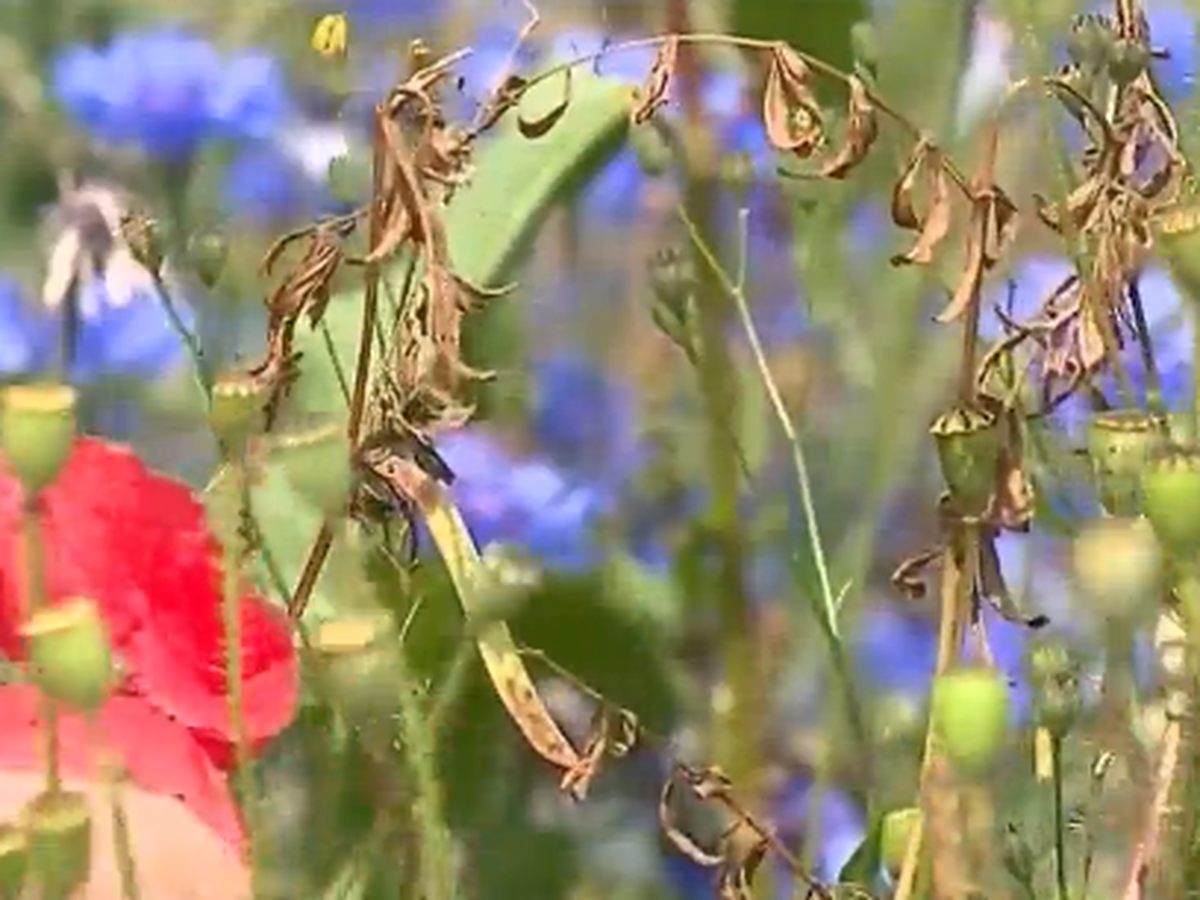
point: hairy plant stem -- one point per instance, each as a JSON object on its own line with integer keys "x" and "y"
{"x": 1060, "y": 818}
{"x": 35, "y": 600}
{"x": 738, "y": 715}
{"x": 957, "y": 577}
{"x": 231, "y": 619}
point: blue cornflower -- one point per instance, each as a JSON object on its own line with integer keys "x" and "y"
{"x": 167, "y": 92}
{"x": 125, "y": 332}
{"x": 528, "y": 503}
{"x": 285, "y": 179}
{"x": 838, "y": 831}
{"x": 583, "y": 419}
{"x": 401, "y": 14}
{"x": 25, "y": 338}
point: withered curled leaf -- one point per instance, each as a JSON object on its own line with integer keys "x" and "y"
{"x": 656, "y": 92}
{"x": 743, "y": 848}
{"x": 791, "y": 115}
{"x": 909, "y": 577}
{"x": 934, "y": 225}
{"x": 676, "y": 835}
{"x": 862, "y": 128}
{"x": 536, "y": 128}
{"x": 504, "y": 98}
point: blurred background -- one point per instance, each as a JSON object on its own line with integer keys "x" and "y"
{"x": 586, "y": 461}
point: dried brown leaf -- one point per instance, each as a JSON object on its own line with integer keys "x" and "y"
{"x": 676, "y": 835}
{"x": 862, "y": 129}
{"x": 933, "y": 227}
{"x": 536, "y": 128}
{"x": 656, "y": 92}
{"x": 904, "y": 207}
{"x": 743, "y": 849}
{"x": 504, "y": 98}
{"x": 791, "y": 114}
{"x": 909, "y": 577}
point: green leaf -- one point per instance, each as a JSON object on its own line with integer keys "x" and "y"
{"x": 489, "y": 225}
{"x": 864, "y": 864}
{"x": 822, "y": 29}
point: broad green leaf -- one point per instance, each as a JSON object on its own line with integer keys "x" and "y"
{"x": 864, "y": 864}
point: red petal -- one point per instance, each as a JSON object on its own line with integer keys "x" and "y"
{"x": 160, "y": 755}
{"x": 139, "y": 544}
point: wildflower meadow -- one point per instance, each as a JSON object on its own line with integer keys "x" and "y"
{"x": 597, "y": 450}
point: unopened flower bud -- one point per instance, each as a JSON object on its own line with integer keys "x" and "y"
{"x": 317, "y": 465}
{"x": 1118, "y": 567}
{"x": 650, "y": 146}
{"x": 970, "y": 717}
{"x": 37, "y": 431}
{"x": 674, "y": 282}
{"x": 14, "y": 862}
{"x": 1018, "y": 856}
{"x": 58, "y": 826}
{"x": 70, "y": 654}
{"x": 236, "y": 412}
{"x": 207, "y": 254}
{"x": 1171, "y": 488}
{"x": 360, "y": 660}
{"x": 1090, "y": 43}
{"x": 145, "y": 238}
{"x": 737, "y": 171}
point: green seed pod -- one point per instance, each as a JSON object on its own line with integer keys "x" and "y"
{"x": 207, "y": 254}
{"x": 317, "y": 465}
{"x": 1118, "y": 568}
{"x": 1171, "y": 487}
{"x": 70, "y": 654}
{"x": 651, "y": 148}
{"x": 236, "y": 412}
{"x": 896, "y": 833}
{"x": 37, "y": 431}
{"x": 1128, "y": 60}
{"x": 969, "y": 444}
{"x": 58, "y": 826}
{"x": 970, "y": 717}
{"x": 359, "y": 656}
{"x": 1119, "y": 444}
{"x": 673, "y": 280}
{"x": 14, "y": 862}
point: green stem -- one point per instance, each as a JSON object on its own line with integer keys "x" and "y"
{"x": 436, "y": 857}
{"x": 35, "y": 600}
{"x": 231, "y": 614}
{"x": 1060, "y": 819}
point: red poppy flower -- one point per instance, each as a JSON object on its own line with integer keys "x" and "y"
{"x": 138, "y": 544}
